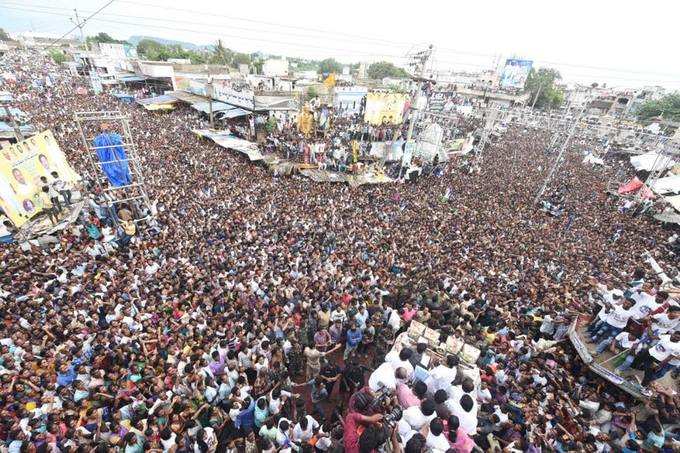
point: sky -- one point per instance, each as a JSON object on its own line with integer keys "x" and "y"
{"x": 621, "y": 43}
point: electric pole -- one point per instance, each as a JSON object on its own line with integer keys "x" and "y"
{"x": 538, "y": 93}
{"x": 80, "y": 25}
{"x": 210, "y": 101}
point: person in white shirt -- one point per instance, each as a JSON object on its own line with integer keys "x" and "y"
{"x": 661, "y": 358}
{"x": 442, "y": 375}
{"x": 645, "y": 303}
{"x": 418, "y": 416}
{"x": 305, "y": 428}
{"x": 401, "y": 360}
{"x": 466, "y": 412}
{"x": 668, "y": 322}
{"x": 435, "y": 439}
{"x": 386, "y": 376}
{"x": 613, "y": 297}
{"x": 616, "y": 321}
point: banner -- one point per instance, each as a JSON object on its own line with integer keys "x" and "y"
{"x": 515, "y": 73}
{"x": 21, "y": 166}
{"x": 384, "y": 108}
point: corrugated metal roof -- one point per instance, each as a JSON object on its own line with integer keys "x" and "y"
{"x": 185, "y": 96}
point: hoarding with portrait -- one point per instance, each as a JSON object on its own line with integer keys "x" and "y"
{"x": 384, "y": 108}
{"x": 515, "y": 73}
{"x": 21, "y": 166}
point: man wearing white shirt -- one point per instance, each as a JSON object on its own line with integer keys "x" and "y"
{"x": 386, "y": 376}
{"x": 668, "y": 322}
{"x": 401, "y": 360}
{"x": 417, "y": 416}
{"x": 467, "y": 414}
{"x": 660, "y": 358}
{"x": 435, "y": 439}
{"x": 305, "y": 428}
{"x": 442, "y": 375}
{"x": 616, "y": 321}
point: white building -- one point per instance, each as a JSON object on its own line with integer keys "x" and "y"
{"x": 275, "y": 67}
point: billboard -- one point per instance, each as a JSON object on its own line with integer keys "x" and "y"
{"x": 515, "y": 73}
{"x": 384, "y": 108}
{"x": 21, "y": 166}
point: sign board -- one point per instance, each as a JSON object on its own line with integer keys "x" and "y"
{"x": 515, "y": 73}
{"x": 384, "y": 108}
{"x": 21, "y": 166}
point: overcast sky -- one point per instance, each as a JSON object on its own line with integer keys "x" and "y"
{"x": 622, "y": 43}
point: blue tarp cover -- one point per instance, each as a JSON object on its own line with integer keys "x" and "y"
{"x": 113, "y": 159}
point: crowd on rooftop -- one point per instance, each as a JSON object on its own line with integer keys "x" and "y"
{"x": 256, "y": 313}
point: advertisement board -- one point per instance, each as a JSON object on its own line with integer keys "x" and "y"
{"x": 515, "y": 73}
{"x": 384, "y": 108}
{"x": 21, "y": 166}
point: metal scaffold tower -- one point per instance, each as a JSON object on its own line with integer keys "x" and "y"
{"x": 492, "y": 114}
{"x": 132, "y": 194}
{"x": 560, "y": 155}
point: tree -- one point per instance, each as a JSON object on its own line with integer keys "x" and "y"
{"x": 541, "y": 83}
{"x": 240, "y": 58}
{"x": 3, "y": 35}
{"x": 57, "y": 56}
{"x": 329, "y": 65}
{"x": 383, "y": 69}
{"x": 667, "y": 107}
{"x": 150, "y": 49}
{"x": 221, "y": 55}
{"x": 102, "y": 37}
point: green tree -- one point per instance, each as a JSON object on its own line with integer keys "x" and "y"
{"x": 312, "y": 93}
{"x": 150, "y": 49}
{"x": 221, "y": 55}
{"x": 102, "y": 37}
{"x": 329, "y": 65}
{"x": 57, "y": 56}
{"x": 383, "y": 69}
{"x": 667, "y": 107}
{"x": 541, "y": 83}
{"x": 3, "y": 35}
{"x": 240, "y": 58}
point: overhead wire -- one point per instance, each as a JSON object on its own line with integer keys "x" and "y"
{"x": 334, "y": 49}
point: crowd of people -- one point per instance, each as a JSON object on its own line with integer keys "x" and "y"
{"x": 257, "y": 313}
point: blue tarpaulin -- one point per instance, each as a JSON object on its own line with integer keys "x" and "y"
{"x": 113, "y": 158}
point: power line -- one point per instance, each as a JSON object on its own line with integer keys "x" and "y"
{"x": 333, "y": 49}
{"x": 80, "y": 24}
{"x": 386, "y": 42}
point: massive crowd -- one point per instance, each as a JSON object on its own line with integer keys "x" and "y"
{"x": 256, "y": 314}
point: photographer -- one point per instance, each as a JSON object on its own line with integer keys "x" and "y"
{"x": 360, "y": 403}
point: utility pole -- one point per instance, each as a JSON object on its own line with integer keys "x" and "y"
{"x": 210, "y": 101}
{"x": 538, "y": 93}
{"x": 80, "y": 25}
{"x": 425, "y": 56}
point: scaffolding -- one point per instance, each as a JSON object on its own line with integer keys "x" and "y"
{"x": 132, "y": 195}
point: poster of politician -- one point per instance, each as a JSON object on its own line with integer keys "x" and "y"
{"x": 21, "y": 167}
{"x": 515, "y": 73}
